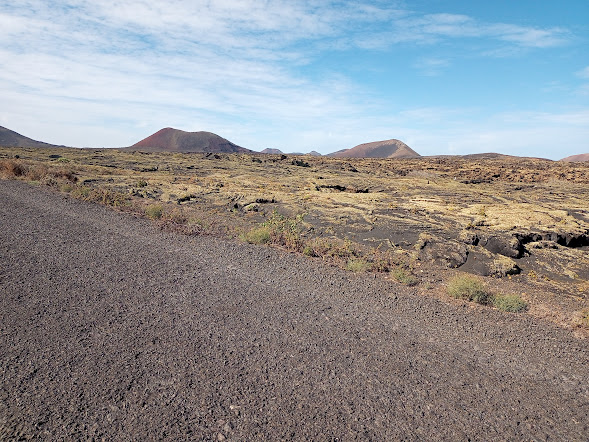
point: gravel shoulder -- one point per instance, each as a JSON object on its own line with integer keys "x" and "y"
{"x": 112, "y": 329}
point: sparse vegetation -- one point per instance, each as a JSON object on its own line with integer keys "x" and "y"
{"x": 284, "y": 231}
{"x": 369, "y": 214}
{"x": 154, "y": 211}
{"x": 469, "y": 288}
{"x": 509, "y": 303}
{"x": 259, "y": 235}
{"x": 403, "y": 276}
{"x": 358, "y": 265}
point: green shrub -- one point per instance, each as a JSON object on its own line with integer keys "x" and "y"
{"x": 259, "y": 235}
{"x": 66, "y": 188}
{"x": 155, "y": 211}
{"x": 284, "y": 231}
{"x": 81, "y": 192}
{"x": 469, "y": 288}
{"x": 509, "y": 303}
{"x": 403, "y": 276}
{"x": 358, "y": 265}
{"x": 141, "y": 183}
{"x": 308, "y": 251}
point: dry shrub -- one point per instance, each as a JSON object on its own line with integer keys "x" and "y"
{"x": 154, "y": 211}
{"x": 469, "y": 288}
{"x": 103, "y": 196}
{"x": 13, "y": 168}
{"x": 259, "y": 235}
{"x": 64, "y": 174}
{"x": 37, "y": 173}
{"x": 509, "y": 303}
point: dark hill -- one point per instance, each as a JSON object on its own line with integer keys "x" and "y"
{"x": 174, "y": 140}
{"x": 10, "y": 138}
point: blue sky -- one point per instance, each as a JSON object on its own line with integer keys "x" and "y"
{"x": 446, "y": 77}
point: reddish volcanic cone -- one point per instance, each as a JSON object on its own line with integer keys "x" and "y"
{"x": 580, "y": 157}
{"x": 378, "y": 149}
{"x": 174, "y": 140}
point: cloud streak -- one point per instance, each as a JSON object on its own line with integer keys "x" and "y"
{"x": 242, "y": 67}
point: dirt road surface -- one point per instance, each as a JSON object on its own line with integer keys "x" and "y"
{"x": 111, "y": 329}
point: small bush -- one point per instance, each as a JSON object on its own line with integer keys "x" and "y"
{"x": 66, "y": 188}
{"x": 260, "y": 235}
{"x": 37, "y": 173}
{"x": 469, "y": 288}
{"x": 509, "y": 303}
{"x": 13, "y": 168}
{"x": 358, "y": 265}
{"x": 65, "y": 174}
{"x": 155, "y": 211}
{"x": 141, "y": 183}
{"x": 284, "y": 231}
{"x": 403, "y": 276}
{"x": 107, "y": 197}
{"x": 308, "y": 251}
{"x": 81, "y": 192}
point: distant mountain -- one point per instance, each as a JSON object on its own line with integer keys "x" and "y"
{"x": 10, "y": 138}
{"x": 378, "y": 149}
{"x": 486, "y": 156}
{"x": 271, "y": 151}
{"x": 580, "y": 157}
{"x": 279, "y": 152}
{"x": 174, "y": 140}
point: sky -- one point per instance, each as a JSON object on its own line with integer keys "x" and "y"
{"x": 445, "y": 77}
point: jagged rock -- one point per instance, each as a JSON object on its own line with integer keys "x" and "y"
{"x": 448, "y": 253}
{"x": 510, "y": 247}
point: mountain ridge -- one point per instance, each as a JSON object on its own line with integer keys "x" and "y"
{"x": 10, "y": 138}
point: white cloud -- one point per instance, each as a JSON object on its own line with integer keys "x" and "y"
{"x": 109, "y": 70}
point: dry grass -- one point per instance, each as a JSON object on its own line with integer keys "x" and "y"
{"x": 368, "y": 214}
{"x": 469, "y": 288}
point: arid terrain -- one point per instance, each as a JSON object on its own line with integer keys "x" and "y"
{"x": 522, "y": 224}
{"x": 112, "y": 329}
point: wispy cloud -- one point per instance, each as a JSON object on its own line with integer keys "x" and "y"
{"x": 431, "y": 66}
{"x": 237, "y": 66}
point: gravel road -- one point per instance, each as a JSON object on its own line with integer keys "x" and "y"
{"x": 112, "y": 329}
